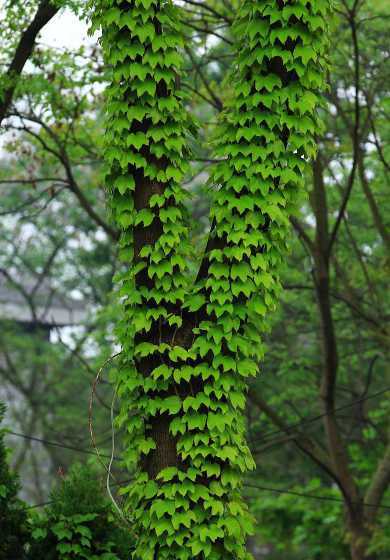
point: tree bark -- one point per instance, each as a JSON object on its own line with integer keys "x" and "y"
{"x": 359, "y": 535}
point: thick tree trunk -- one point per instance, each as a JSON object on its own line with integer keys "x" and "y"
{"x": 359, "y": 536}
{"x": 188, "y": 350}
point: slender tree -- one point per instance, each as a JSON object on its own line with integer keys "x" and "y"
{"x": 190, "y": 344}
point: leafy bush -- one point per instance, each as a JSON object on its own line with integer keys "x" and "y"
{"x": 79, "y": 523}
{"x": 12, "y": 513}
{"x": 301, "y": 528}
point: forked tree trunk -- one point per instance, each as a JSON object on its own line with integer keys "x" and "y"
{"x": 188, "y": 347}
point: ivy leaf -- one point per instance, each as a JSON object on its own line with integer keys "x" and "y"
{"x": 146, "y": 445}
{"x": 167, "y": 474}
{"x": 171, "y": 213}
{"x": 137, "y": 140}
{"x": 156, "y": 200}
{"x": 125, "y": 219}
{"x": 215, "y": 532}
{"x": 146, "y": 3}
{"x": 219, "y": 270}
{"x": 196, "y": 421}
{"x": 137, "y": 112}
{"x": 112, "y": 15}
{"x": 161, "y": 507}
{"x": 305, "y": 53}
{"x": 145, "y": 349}
{"x": 124, "y": 183}
{"x": 247, "y": 368}
{"x": 147, "y": 86}
{"x": 173, "y": 173}
{"x": 257, "y": 304}
{"x": 145, "y": 217}
{"x": 216, "y": 420}
{"x": 241, "y": 270}
{"x": 233, "y": 527}
{"x": 237, "y": 399}
{"x": 226, "y": 362}
{"x": 39, "y": 533}
{"x": 178, "y": 353}
{"x": 162, "y": 526}
{"x": 150, "y": 489}
{"x": 172, "y": 404}
{"x": 145, "y": 31}
{"x": 162, "y": 371}
{"x": 212, "y": 469}
{"x": 62, "y": 531}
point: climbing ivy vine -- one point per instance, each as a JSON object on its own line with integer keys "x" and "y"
{"x": 188, "y": 347}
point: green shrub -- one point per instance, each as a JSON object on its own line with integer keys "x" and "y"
{"x": 79, "y": 523}
{"x": 13, "y": 528}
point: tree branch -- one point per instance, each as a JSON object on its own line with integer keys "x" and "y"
{"x": 379, "y": 483}
{"x": 46, "y": 11}
{"x": 304, "y": 442}
{"x": 377, "y": 218}
{"x": 217, "y": 102}
{"x": 355, "y": 136}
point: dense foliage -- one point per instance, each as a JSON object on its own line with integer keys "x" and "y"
{"x": 13, "y": 518}
{"x": 79, "y": 523}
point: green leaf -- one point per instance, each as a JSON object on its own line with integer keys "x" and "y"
{"x": 145, "y": 31}
{"x": 167, "y": 474}
{"x": 147, "y": 86}
{"x": 61, "y": 531}
{"x": 305, "y": 53}
{"x": 171, "y": 213}
{"x": 178, "y": 353}
{"x": 112, "y": 15}
{"x": 216, "y": 420}
{"x": 146, "y": 445}
{"x": 162, "y": 371}
{"x": 137, "y": 112}
{"x": 241, "y": 270}
{"x": 174, "y": 173}
{"x": 145, "y": 349}
{"x": 233, "y": 527}
{"x": 247, "y": 368}
{"x": 39, "y": 533}
{"x": 172, "y": 404}
{"x": 150, "y": 489}
{"x": 162, "y": 507}
{"x": 137, "y": 140}
{"x": 145, "y": 217}
{"x": 124, "y": 183}
{"x": 258, "y": 305}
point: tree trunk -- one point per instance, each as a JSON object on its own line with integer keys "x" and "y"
{"x": 359, "y": 536}
{"x": 188, "y": 348}
{"x": 337, "y": 448}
